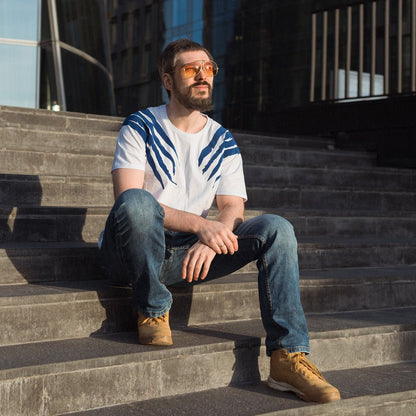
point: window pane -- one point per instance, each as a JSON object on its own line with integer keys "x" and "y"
{"x": 81, "y": 25}
{"x": 18, "y": 71}
{"x": 87, "y": 87}
{"x": 19, "y": 19}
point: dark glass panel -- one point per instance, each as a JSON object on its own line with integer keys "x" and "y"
{"x": 45, "y": 24}
{"x": 87, "y": 87}
{"x": 82, "y": 25}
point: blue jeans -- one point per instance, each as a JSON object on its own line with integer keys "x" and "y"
{"x": 136, "y": 249}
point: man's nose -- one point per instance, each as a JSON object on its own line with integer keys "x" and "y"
{"x": 202, "y": 75}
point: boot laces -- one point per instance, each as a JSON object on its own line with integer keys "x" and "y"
{"x": 301, "y": 364}
{"x": 155, "y": 320}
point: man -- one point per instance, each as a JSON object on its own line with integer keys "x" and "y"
{"x": 170, "y": 163}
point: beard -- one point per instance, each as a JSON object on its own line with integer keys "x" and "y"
{"x": 191, "y": 102}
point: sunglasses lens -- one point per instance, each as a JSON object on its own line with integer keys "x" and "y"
{"x": 211, "y": 68}
{"x": 190, "y": 70}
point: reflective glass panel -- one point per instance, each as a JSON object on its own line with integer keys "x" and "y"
{"x": 82, "y": 25}
{"x": 19, "y": 19}
{"x": 18, "y": 71}
{"x": 87, "y": 87}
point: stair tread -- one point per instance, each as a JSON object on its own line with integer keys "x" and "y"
{"x": 31, "y": 209}
{"x": 303, "y": 241}
{"x": 19, "y": 294}
{"x": 368, "y": 385}
{"x": 100, "y": 350}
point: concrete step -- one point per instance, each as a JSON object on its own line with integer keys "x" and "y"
{"x": 33, "y": 312}
{"x": 78, "y": 122}
{"x": 16, "y": 138}
{"x": 354, "y": 179}
{"x": 51, "y": 163}
{"x": 95, "y": 156}
{"x": 52, "y": 261}
{"x": 286, "y": 142}
{"x": 41, "y": 138}
{"x": 382, "y": 390}
{"x": 53, "y": 224}
{"x": 84, "y": 190}
{"x": 316, "y": 198}
{"x": 58, "y": 121}
{"x": 37, "y": 262}
{"x": 49, "y": 190}
{"x": 42, "y": 224}
{"x": 73, "y": 375}
{"x": 311, "y": 158}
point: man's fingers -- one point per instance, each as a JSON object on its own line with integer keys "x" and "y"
{"x": 228, "y": 245}
{"x": 197, "y": 262}
{"x": 205, "y": 270}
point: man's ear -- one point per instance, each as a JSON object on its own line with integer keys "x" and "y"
{"x": 167, "y": 81}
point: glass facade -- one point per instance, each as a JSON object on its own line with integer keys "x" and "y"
{"x": 263, "y": 49}
{"x": 19, "y": 52}
{"x": 55, "y": 55}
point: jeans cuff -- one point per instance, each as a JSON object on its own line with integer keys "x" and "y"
{"x": 291, "y": 350}
{"x": 155, "y": 314}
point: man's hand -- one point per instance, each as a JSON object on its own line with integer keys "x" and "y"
{"x": 197, "y": 262}
{"x": 218, "y": 237}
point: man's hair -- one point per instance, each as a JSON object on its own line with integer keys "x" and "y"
{"x": 167, "y": 59}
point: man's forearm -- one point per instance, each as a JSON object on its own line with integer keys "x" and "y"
{"x": 177, "y": 220}
{"x": 231, "y": 216}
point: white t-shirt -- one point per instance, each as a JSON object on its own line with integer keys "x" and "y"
{"x": 182, "y": 170}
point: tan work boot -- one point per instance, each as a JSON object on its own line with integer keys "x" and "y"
{"x": 294, "y": 372}
{"x": 154, "y": 330}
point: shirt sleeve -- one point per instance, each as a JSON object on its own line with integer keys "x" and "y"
{"x": 130, "y": 150}
{"x": 232, "y": 180}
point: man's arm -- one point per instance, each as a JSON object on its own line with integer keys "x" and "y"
{"x": 215, "y": 237}
{"x": 215, "y": 234}
{"x": 124, "y": 179}
{"x": 199, "y": 257}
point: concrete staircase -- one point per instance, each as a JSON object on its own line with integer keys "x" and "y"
{"x": 68, "y": 342}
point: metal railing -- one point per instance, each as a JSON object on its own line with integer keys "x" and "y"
{"x": 364, "y": 50}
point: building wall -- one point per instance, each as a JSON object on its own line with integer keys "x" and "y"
{"x": 55, "y": 54}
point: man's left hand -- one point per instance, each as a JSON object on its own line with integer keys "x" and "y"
{"x": 197, "y": 262}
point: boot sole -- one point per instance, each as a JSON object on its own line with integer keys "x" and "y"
{"x": 164, "y": 341}
{"x": 280, "y": 386}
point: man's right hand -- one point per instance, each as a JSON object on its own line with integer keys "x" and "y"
{"x": 218, "y": 237}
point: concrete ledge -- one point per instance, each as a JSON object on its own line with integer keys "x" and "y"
{"x": 397, "y": 404}
{"x": 197, "y": 362}
{"x": 375, "y": 386}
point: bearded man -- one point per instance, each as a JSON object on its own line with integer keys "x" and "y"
{"x": 170, "y": 163}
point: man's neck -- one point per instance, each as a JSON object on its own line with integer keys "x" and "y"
{"x": 189, "y": 121}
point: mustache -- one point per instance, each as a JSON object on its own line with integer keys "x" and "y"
{"x": 196, "y": 84}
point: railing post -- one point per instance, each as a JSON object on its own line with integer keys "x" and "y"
{"x": 348, "y": 65}
{"x": 324, "y": 53}
{"x": 387, "y": 48}
{"x": 336, "y": 54}
{"x": 313, "y": 58}
{"x": 413, "y": 65}
{"x": 361, "y": 51}
{"x": 373, "y": 46}
{"x": 400, "y": 47}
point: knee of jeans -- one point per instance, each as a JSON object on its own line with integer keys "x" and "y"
{"x": 281, "y": 228}
{"x": 139, "y": 206}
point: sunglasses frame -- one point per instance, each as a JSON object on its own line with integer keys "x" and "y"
{"x": 201, "y": 66}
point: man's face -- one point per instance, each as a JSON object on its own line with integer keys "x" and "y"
{"x": 193, "y": 93}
